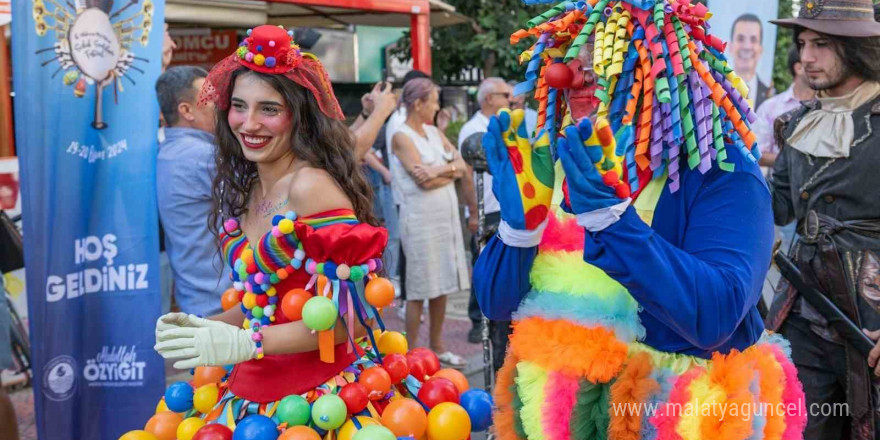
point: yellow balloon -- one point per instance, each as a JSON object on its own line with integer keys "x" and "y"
{"x": 161, "y": 406}
{"x": 448, "y": 421}
{"x": 392, "y": 342}
{"x": 205, "y": 398}
{"x": 138, "y": 435}
{"x": 348, "y": 430}
{"x": 186, "y": 430}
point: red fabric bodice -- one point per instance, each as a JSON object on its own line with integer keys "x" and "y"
{"x": 277, "y": 376}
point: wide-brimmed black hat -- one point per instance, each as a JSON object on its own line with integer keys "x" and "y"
{"x": 845, "y": 18}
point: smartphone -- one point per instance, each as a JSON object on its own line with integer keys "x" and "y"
{"x": 384, "y": 77}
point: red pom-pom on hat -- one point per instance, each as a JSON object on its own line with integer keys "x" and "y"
{"x": 269, "y": 49}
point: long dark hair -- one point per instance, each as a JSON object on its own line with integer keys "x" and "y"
{"x": 320, "y": 141}
{"x": 860, "y": 55}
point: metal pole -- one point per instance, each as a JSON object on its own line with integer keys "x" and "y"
{"x": 488, "y": 365}
{"x": 473, "y": 153}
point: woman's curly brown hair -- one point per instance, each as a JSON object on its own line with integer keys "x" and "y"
{"x": 320, "y": 141}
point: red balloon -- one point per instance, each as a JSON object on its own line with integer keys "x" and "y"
{"x": 396, "y": 366}
{"x": 558, "y": 76}
{"x": 432, "y": 363}
{"x": 437, "y": 390}
{"x": 213, "y": 432}
{"x": 355, "y": 397}
{"x": 417, "y": 366}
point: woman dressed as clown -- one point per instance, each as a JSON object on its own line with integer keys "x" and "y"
{"x": 297, "y": 230}
{"x": 635, "y": 236}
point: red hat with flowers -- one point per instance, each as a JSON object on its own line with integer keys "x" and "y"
{"x": 271, "y": 50}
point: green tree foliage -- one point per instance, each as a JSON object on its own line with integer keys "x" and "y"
{"x": 484, "y": 43}
{"x": 784, "y": 41}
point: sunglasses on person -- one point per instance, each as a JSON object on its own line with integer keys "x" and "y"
{"x": 506, "y": 95}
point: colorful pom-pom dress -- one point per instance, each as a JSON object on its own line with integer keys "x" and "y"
{"x": 330, "y": 254}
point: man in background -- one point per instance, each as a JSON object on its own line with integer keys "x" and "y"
{"x": 518, "y": 102}
{"x": 768, "y": 113}
{"x": 493, "y": 94}
{"x": 184, "y": 173}
{"x": 779, "y": 105}
{"x": 825, "y": 179}
{"x": 746, "y": 48}
{"x": 8, "y": 422}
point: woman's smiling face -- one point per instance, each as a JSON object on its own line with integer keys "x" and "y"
{"x": 259, "y": 119}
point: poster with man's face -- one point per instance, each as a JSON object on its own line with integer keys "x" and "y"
{"x": 751, "y": 40}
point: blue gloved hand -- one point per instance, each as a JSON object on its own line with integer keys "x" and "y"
{"x": 592, "y": 167}
{"x": 522, "y": 170}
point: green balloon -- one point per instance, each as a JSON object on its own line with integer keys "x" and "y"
{"x": 319, "y": 313}
{"x": 329, "y": 411}
{"x": 294, "y": 410}
{"x": 374, "y": 432}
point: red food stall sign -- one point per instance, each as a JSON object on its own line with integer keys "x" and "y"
{"x": 202, "y": 46}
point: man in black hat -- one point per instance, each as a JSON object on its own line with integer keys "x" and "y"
{"x": 826, "y": 179}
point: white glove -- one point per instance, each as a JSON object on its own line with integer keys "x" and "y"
{"x": 172, "y": 320}
{"x": 199, "y": 342}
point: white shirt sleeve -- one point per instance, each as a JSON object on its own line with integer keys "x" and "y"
{"x": 595, "y": 221}
{"x": 521, "y": 238}
{"x": 763, "y": 129}
{"x": 466, "y": 130}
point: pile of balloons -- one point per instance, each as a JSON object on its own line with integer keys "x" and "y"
{"x": 411, "y": 397}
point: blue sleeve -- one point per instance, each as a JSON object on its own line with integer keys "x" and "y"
{"x": 501, "y": 278}
{"x": 705, "y": 288}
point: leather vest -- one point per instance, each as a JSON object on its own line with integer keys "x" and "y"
{"x": 836, "y": 204}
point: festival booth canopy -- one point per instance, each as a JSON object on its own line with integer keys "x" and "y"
{"x": 418, "y": 15}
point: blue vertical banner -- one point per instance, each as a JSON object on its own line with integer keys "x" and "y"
{"x": 86, "y": 119}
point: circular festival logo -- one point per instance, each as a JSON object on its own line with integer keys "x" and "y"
{"x": 59, "y": 378}
{"x": 93, "y": 44}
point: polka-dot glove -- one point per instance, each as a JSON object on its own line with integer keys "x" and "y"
{"x": 592, "y": 167}
{"x": 522, "y": 170}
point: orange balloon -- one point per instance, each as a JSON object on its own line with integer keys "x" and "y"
{"x": 164, "y": 425}
{"x": 377, "y": 381}
{"x": 293, "y": 302}
{"x": 229, "y": 299}
{"x": 456, "y": 377}
{"x": 299, "y": 433}
{"x": 405, "y": 418}
{"x": 379, "y": 292}
{"x": 208, "y": 375}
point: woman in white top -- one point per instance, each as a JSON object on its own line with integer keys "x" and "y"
{"x": 424, "y": 177}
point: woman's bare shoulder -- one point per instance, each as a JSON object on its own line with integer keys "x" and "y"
{"x": 314, "y": 190}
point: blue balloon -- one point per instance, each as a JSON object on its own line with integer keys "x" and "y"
{"x": 478, "y": 404}
{"x": 179, "y": 397}
{"x": 255, "y": 427}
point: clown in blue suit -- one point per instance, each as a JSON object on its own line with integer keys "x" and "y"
{"x": 635, "y": 237}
